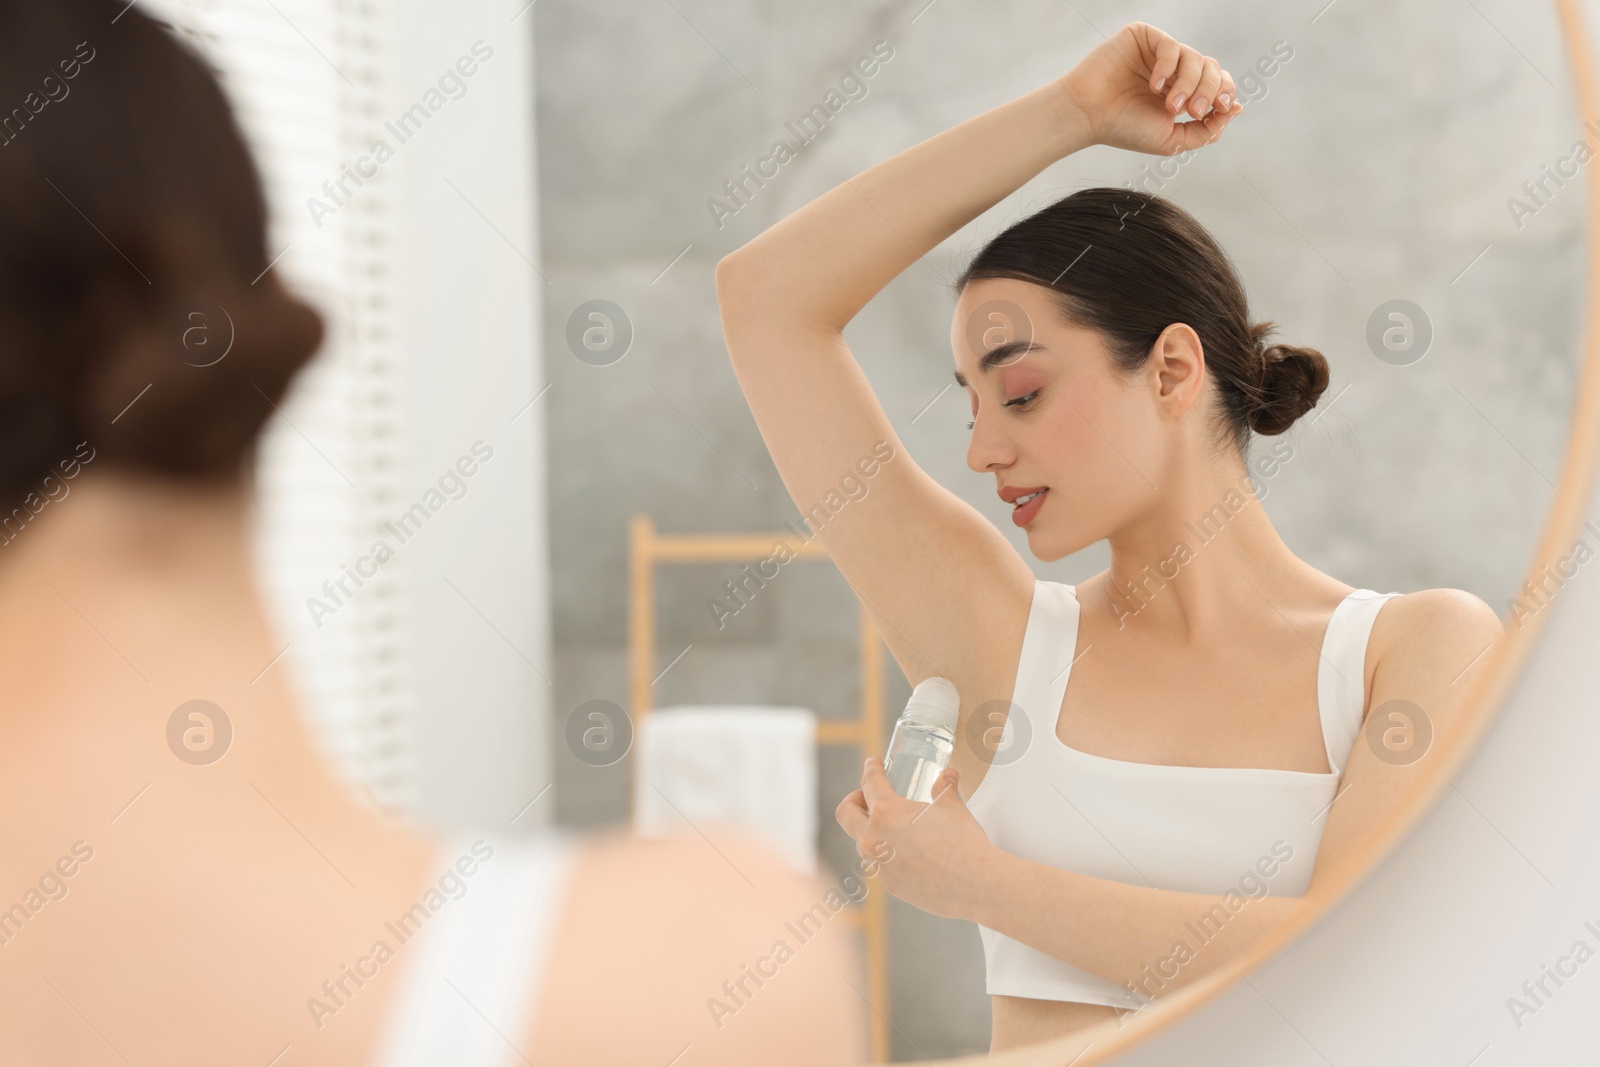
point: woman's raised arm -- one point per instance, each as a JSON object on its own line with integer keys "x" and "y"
{"x": 942, "y": 582}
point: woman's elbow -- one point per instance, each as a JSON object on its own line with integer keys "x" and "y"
{"x": 752, "y": 305}
{"x": 735, "y": 274}
{"x": 735, "y": 296}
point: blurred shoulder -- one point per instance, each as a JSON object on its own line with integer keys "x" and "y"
{"x": 664, "y": 942}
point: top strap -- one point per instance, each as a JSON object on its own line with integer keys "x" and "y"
{"x": 1048, "y": 645}
{"x": 481, "y": 952}
{"x": 1342, "y": 673}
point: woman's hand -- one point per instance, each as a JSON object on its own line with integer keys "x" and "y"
{"x": 936, "y": 852}
{"x": 1130, "y": 91}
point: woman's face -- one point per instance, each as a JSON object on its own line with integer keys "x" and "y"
{"x": 1049, "y": 411}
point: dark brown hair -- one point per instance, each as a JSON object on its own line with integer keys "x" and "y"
{"x": 1128, "y": 264}
{"x": 133, "y": 218}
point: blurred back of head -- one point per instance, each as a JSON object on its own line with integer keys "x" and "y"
{"x": 132, "y": 255}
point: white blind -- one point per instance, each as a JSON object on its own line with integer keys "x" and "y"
{"x": 308, "y": 80}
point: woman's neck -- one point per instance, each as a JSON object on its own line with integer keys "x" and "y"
{"x": 121, "y": 602}
{"x": 122, "y": 599}
{"x": 128, "y": 530}
{"x": 1204, "y": 555}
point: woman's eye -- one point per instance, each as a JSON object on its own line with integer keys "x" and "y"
{"x": 1012, "y": 403}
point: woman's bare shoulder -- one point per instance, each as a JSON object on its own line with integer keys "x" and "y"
{"x": 1432, "y": 640}
{"x": 705, "y": 941}
{"x": 1434, "y": 615}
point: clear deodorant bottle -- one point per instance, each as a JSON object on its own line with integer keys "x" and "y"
{"x": 923, "y": 739}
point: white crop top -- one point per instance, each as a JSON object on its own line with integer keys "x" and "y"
{"x": 1194, "y": 829}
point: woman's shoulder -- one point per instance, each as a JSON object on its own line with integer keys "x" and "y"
{"x": 694, "y": 914}
{"x": 1436, "y": 631}
{"x": 1435, "y": 615}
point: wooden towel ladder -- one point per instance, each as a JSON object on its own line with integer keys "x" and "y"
{"x": 646, "y": 549}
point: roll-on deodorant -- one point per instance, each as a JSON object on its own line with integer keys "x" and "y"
{"x": 923, "y": 738}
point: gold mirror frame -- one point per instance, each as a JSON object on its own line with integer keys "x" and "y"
{"x": 1506, "y": 660}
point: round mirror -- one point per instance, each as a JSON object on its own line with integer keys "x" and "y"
{"x": 1195, "y": 709}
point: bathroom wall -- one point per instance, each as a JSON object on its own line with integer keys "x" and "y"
{"x": 470, "y": 298}
{"x": 1376, "y": 163}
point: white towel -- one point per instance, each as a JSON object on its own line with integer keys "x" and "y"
{"x": 752, "y": 767}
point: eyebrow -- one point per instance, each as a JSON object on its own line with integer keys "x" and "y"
{"x": 1001, "y": 355}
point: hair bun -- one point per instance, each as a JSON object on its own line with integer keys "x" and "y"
{"x": 179, "y": 374}
{"x": 208, "y": 368}
{"x": 1292, "y": 381}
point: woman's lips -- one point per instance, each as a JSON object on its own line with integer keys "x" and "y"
{"x": 1024, "y": 513}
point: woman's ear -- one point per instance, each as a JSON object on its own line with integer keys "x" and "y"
{"x": 1178, "y": 364}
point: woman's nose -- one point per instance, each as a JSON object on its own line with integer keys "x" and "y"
{"x": 986, "y": 449}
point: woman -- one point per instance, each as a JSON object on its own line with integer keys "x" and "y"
{"x": 162, "y": 905}
{"x": 1178, "y": 801}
